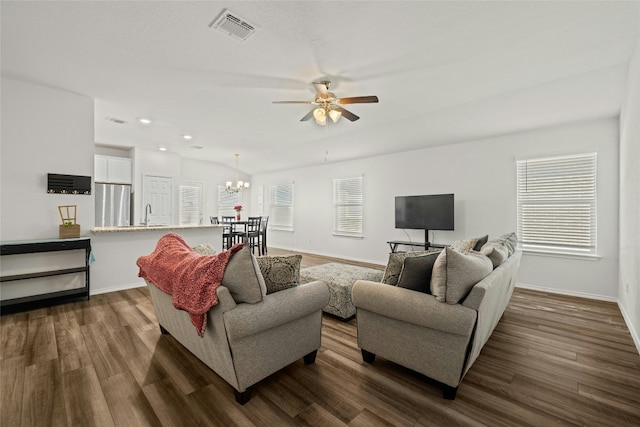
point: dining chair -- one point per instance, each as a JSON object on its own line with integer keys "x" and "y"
{"x": 251, "y": 235}
{"x": 229, "y": 234}
{"x": 263, "y": 234}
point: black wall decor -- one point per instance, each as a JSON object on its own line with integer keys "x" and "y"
{"x": 68, "y": 184}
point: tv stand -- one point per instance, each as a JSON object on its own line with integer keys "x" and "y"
{"x": 426, "y": 245}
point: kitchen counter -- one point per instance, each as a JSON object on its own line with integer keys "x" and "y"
{"x": 126, "y": 229}
{"x": 116, "y": 250}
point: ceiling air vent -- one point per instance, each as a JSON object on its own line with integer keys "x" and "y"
{"x": 229, "y": 23}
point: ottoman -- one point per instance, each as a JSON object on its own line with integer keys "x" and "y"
{"x": 339, "y": 278}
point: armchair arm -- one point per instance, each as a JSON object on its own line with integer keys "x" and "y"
{"x": 225, "y": 300}
{"x": 276, "y": 309}
{"x": 413, "y": 307}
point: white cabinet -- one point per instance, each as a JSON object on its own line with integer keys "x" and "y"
{"x": 115, "y": 170}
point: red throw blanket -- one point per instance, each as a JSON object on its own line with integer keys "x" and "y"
{"x": 190, "y": 278}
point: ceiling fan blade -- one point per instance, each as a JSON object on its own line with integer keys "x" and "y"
{"x": 292, "y": 102}
{"x": 308, "y": 116}
{"x": 321, "y": 88}
{"x": 357, "y": 100}
{"x": 347, "y": 114}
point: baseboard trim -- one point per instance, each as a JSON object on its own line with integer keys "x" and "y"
{"x": 117, "y": 288}
{"x": 632, "y": 331}
{"x": 568, "y": 293}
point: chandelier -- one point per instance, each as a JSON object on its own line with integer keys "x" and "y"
{"x": 240, "y": 185}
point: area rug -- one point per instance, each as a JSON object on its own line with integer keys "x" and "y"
{"x": 340, "y": 279}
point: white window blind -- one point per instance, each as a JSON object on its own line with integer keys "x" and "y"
{"x": 190, "y": 204}
{"x": 347, "y": 203}
{"x": 281, "y": 213}
{"x": 557, "y": 204}
{"x": 226, "y": 201}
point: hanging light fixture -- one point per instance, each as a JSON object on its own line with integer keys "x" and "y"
{"x": 240, "y": 185}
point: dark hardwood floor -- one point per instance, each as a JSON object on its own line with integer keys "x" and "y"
{"x": 552, "y": 360}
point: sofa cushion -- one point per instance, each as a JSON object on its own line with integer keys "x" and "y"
{"x": 455, "y": 274}
{"x": 394, "y": 265}
{"x": 416, "y": 273}
{"x": 280, "y": 272}
{"x": 465, "y": 245}
{"x": 241, "y": 278}
{"x": 496, "y": 251}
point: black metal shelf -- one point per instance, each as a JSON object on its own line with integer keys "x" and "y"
{"x": 40, "y": 246}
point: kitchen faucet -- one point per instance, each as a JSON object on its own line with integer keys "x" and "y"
{"x": 147, "y": 211}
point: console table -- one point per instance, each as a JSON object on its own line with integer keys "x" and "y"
{"x": 395, "y": 243}
{"x": 29, "y": 270}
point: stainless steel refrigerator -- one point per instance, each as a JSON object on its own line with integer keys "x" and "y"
{"x": 113, "y": 205}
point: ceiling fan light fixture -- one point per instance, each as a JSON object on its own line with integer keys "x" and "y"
{"x": 320, "y": 115}
{"x": 335, "y": 115}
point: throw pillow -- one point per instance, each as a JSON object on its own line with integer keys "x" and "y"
{"x": 510, "y": 240}
{"x": 480, "y": 243}
{"x": 465, "y": 245}
{"x": 394, "y": 265}
{"x": 496, "y": 251}
{"x": 280, "y": 272}
{"x": 416, "y": 273}
{"x": 455, "y": 274}
{"x": 204, "y": 249}
{"x": 241, "y": 278}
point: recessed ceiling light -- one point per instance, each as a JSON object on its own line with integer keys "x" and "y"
{"x": 145, "y": 121}
{"x": 196, "y": 147}
{"x": 187, "y": 137}
{"x": 162, "y": 148}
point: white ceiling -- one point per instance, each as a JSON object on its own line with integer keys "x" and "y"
{"x": 444, "y": 72}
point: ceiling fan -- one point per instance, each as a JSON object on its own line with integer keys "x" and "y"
{"x": 328, "y": 105}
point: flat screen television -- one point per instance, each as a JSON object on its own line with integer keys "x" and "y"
{"x": 426, "y": 212}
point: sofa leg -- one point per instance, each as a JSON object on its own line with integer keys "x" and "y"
{"x": 449, "y": 392}
{"x": 367, "y": 356}
{"x": 163, "y": 331}
{"x": 243, "y": 397}
{"x": 310, "y": 358}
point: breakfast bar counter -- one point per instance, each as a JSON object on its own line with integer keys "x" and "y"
{"x": 116, "y": 250}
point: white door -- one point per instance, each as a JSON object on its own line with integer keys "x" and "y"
{"x": 157, "y": 192}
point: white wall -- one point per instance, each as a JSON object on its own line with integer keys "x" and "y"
{"x": 482, "y": 174}
{"x": 166, "y": 163}
{"x": 44, "y": 131}
{"x": 629, "y": 283}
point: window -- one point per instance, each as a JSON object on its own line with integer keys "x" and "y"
{"x": 347, "y": 204}
{"x": 226, "y": 201}
{"x": 190, "y": 203}
{"x": 281, "y": 215}
{"x": 557, "y": 204}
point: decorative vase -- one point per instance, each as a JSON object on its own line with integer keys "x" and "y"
{"x": 238, "y": 216}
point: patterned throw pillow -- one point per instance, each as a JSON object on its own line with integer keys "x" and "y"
{"x": 394, "y": 265}
{"x": 455, "y": 274}
{"x": 204, "y": 249}
{"x": 464, "y": 246}
{"x": 280, "y": 272}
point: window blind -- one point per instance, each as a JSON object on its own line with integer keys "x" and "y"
{"x": 226, "y": 201}
{"x": 190, "y": 204}
{"x": 557, "y": 204}
{"x": 347, "y": 202}
{"x": 281, "y": 212}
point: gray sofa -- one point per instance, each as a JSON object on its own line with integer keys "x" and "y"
{"x": 436, "y": 338}
{"x": 245, "y": 342}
